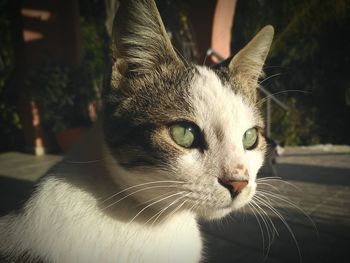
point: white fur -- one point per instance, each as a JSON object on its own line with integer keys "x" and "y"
{"x": 63, "y": 224}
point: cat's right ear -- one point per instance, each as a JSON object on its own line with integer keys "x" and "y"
{"x": 140, "y": 42}
{"x": 246, "y": 66}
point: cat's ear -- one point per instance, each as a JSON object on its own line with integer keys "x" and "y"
{"x": 246, "y": 66}
{"x": 139, "y": 37}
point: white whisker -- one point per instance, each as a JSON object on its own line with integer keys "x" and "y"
{"x": 269, "y": 178}
{"x": 153, "y": 203}
{"x": 138, "y": 185}
{"x": 280, "y": 216}
{"x": 283, "y": 199}
{"x": 252, "y": 208}
{"x": 279, "y": 93}
{"x": 259, "y": 199}
{"x": 140, "y": 190}
{"x": 279, "y": 180}
{"x": 174, "y": 211}
{"x": 267, "y": 184}
{"x": 263, "y": 216}
{"x": 269, "y": 77}
{"x": 155, "y": 198}
{"x": 157, "y": 215}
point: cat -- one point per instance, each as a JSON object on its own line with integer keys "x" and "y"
{"x": 176, "y": 143}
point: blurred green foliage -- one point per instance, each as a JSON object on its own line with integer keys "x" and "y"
{"x": 64, "y": 92}
{"x": 11, "y": 136}
{"x": 53, "y": 88}
{"x": 311, "y": 52}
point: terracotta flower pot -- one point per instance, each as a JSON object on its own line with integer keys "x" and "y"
{"x": 69, "y": 137}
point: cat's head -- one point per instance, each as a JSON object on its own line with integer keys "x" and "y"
{"x": 190, "y": 136}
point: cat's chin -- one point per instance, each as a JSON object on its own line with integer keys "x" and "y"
{"x": 241, "y": 200}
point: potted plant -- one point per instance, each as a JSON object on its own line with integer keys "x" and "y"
{"x": 63, "y": 96}
{"x": 67, "y": 95}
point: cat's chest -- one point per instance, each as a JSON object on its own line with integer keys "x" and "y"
{"x": 176, "y": 241}
{"x": 80, "y": 233}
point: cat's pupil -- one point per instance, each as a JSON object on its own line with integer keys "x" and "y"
{"x": 183, "y": 134}
{"x": 250, "y": 139}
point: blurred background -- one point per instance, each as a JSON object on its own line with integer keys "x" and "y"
{"x": 54, "y": 54}
{"x": 54, "y": 59}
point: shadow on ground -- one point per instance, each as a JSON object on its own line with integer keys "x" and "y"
{"x": 13, "y": 193}
{"x": 238, "y": 240}
{"x": 314, "y": 174}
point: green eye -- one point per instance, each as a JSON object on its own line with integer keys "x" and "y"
{"x": 250, "y": 139}
{"x": 183, "y": 134}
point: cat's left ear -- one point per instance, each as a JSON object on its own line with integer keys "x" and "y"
{"x": 140, "y": 39}
{"x": 246, "y": 66}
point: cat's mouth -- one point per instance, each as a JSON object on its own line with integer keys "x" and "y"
{"x": 226, "y": 200}
{"x": 240, "y": 195}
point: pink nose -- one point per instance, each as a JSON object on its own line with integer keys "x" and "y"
{"x": 233, "y": 185}
{"x": 238, "y": 185}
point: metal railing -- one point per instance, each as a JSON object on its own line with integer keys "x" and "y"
{"x": 270, "y": 97}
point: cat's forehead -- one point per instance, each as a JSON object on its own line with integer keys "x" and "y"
{"x": 174, "y": 93}
{"x": 217, "y": 104}
{"x": 159, "y": 97}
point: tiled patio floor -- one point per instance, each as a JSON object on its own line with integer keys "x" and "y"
{"x": 320, "y": 178}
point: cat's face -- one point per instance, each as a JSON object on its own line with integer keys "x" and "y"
{"x": 191, "y": 135}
